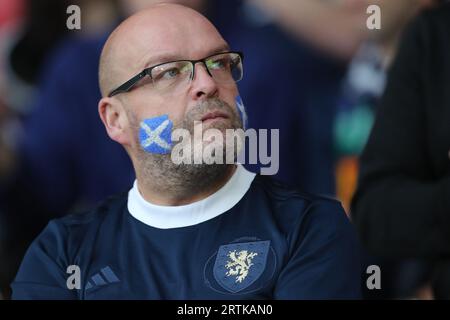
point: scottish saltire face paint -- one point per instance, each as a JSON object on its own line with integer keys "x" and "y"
{"x": 155, "y": 134}
{"x": 241, "y": 109}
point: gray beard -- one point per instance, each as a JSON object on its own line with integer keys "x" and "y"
{"x": 158, "y": 171}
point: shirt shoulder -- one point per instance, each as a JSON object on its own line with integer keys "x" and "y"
{"x": 323, "y": 253}
{"x": 65, "y": 241}
{"x": 105, "y": 209}
{"x": 64, "y": 237}
{"x": 292, "y": 208}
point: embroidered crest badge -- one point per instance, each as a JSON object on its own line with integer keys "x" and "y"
{"x": 238, "y": 265}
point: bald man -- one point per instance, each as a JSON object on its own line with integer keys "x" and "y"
{"x": 187, "y": 230}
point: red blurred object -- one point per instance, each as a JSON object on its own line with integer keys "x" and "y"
{"x": 11, "y": 12}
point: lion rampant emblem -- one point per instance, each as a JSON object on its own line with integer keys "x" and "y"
{"x": 239, "y": 264}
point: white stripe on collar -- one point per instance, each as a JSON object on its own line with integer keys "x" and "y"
{"x": 167, "y": 217}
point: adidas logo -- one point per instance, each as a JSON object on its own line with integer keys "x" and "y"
{"x": 102, "y": 278}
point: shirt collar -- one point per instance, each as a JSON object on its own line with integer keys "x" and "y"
{"x": 168, "y": 217}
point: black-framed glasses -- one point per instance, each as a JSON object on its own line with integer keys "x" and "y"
{"x": 224, "y": 67}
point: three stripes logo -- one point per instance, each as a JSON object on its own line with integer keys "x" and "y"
{"x": 104, "y": 277}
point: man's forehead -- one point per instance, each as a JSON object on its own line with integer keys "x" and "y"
{"x": 154, "y": 38}
{"x": 158, "y": 34}
{"x": 152, "y": 58}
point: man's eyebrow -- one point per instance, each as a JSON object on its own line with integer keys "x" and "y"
{"x": 166, "y": 57}
{"x": 161, "y": 58}
{"x": 222, "y": 48}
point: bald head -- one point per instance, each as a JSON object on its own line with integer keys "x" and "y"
{"x": 157, "y": 34}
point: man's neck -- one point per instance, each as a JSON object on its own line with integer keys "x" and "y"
{"x": 166, "y": 197}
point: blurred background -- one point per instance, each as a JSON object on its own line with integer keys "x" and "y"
{"x": 312, "y": 69}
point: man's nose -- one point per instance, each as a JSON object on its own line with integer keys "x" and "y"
{"x": 203, "y": 84}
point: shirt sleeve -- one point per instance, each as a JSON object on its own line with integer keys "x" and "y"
{"x": 42, "y": 274}
{"x": 324, "y": 258}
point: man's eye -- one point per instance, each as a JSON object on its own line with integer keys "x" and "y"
{"x": 218, "y": 64}
{"x": 170, "y": 74}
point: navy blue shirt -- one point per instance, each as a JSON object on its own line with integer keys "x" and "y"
{"x": 270, "y": 242}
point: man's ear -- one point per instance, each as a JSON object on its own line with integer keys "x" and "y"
{"x": 113, "y": 116}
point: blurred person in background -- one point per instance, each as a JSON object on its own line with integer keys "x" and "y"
{"x": 401, "y": 205}
{"x": 10, "y": 17}
{"x": 356, "y": 107}
{"x": 39, "y": 30}
{"x": 28, "y": 164}
{"x": 28, "y": 30}
{"x": 338, "y": 28}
